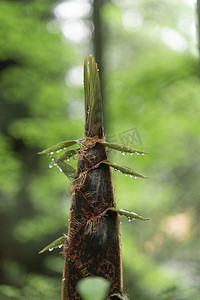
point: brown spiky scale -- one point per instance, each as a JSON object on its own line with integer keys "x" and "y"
{"x": 93, "y": 245}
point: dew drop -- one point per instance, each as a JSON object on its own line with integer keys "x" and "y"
{"x": 68, "y": 159}
{"x": 142, "y": 153}
{"x": 138, "y": 153}
{"x": 135, "y": 177}
{"x": 64, "y": 279}
{"x": 126, "y": 174}
{"x": 52, "y": 152}
{"x": 59, "y": 168}
{"x": 129, "y": 219}
{"x": 131, "y": 176}
{"x": 120, "y": 222}
{"x": 123, "y": 153}
{"x": 131, "y": 153}
{"x": 50, "y": 166}
{"x": 60, "y": 246}
{"x": 50, "y": 249}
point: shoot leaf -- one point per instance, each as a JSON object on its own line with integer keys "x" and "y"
{"x": 124, "y": 170}
{"x": 122, "y": 148}
{"x": 58, "y": 243}
{"x": 59, "y": 146}
{"x": 129, "y": 214}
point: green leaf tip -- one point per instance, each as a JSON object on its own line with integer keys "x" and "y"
{"x": 129, "y": 214}
{"x": 119, "y": 296}
{"x": 122, "y": 148}
{"x": 68, "y": 154}
{"x": 58, "y": 243}
{"x": 124, "y": 170}
{"x": 93, "y": 100}
{"x": 59, "y": 146}
{"x": 68, "y": 170}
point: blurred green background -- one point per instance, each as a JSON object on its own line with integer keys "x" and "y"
{"x": 148, "y": 57}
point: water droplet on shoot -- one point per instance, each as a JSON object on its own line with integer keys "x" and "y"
{"x": 59, "y": 168}
{"x": 60, "y": 246}
{"x": 50, "y": 166}
{"x": 123, "y": 153}
{"x": 126, "y": 174}
{"x": 50, "y": 249}
{"x": 52, "y": 152}
{"x": 142, "y": 153}
{"x": 138, "y": 153}
{"x": 131, "y": 153}
{"x": 68, "y": 159}
{"x": 135, "y": 177}
{"x": 120, "y": 222}
{"x": 131, "y": 176}
{"x": 129, "y": 219}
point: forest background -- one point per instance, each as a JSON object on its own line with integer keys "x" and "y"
{"x": 148, "y": 58}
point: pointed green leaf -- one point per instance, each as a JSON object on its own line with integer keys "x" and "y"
{"x": 120, "y": 296}
{"x": 86, "y": 90}
{"x": 58, "y": 243}
{"x": 129, "y": 214}
{"x": 93, "y": 100}
{"x": 59, "y": 146}
{"x": 68, "y": 154}
{"x": 68, "y": 170}
{"x": 122, "y": 148}
{"x": 124, "y": 170}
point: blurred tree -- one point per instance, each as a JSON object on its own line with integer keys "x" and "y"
{"x": 33, "y": 63}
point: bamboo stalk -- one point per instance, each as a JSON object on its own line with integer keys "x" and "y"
{"x": 96, "y": 253}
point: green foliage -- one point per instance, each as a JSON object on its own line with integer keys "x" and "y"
{"x": 93, "y": 287}
{"x": 148, "y": 85}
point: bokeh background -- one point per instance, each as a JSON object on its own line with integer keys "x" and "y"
{"x": 147, "y": 52}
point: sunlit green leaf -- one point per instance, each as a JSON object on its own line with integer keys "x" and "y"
{"x": 58, "y": 243}
{"x": 124, "y": 170}
{"x": 59, "y": 146}
{"x": 68, "y": 154}
{"x": 122, "y": 148}
{"x": 120, "y": 296}
{"x": 68, "y": 170}
{"x": 129, "y": 214}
